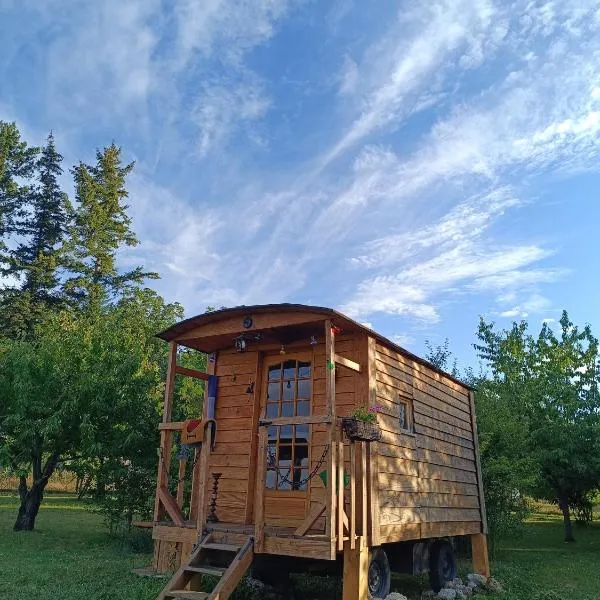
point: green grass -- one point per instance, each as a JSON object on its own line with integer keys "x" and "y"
{"x": 70, "y": 557}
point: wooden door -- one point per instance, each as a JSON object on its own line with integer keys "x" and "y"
{"x": 287, "y": 394}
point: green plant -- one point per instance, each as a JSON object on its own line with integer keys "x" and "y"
{"x": 366, "y": 414}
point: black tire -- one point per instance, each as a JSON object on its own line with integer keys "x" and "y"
{"x": 380, "y": 576}
{"x": 442, "y": 564}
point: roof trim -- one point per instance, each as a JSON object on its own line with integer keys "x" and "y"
{"x": 210, "y": 317}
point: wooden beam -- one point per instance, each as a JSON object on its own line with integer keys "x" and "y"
{"x": 484, "y": 525}
{"x": 191, "y": 373}
{"x": 346, "y": 362}
{"x": 479, "y": 550}
{"x": 373, "y": 461}
{"x": 181, "y": 482}
{"x": 172, "y": 426}
{"x": 340, "y": 499}
{"x": 315, "y": 513}
{"x": 356, "y": 571}
{"x": 310, "y": 420}
{"x": 203, "y": 479}
{"x": 171, "y": 506}
{"x": 249, "y": 516}
{"x": 259, "y": 491}
{"x": 170, "y": 382}
{"x": 352, "y": 516}
{"x": 330, "y": 404}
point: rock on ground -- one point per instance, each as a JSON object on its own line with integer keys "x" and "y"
{"x": 396, "y": 596}
{"x": 447, "y": 594}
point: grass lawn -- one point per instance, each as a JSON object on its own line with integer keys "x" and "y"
{"x": 70, "y": 557}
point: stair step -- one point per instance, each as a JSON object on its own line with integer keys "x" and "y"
{"x": 224, "y": 547}
{"x": 187, "y": 595}
{"x": 207, "y": 570}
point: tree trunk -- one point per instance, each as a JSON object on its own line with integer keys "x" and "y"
{"x": 30, "y": 505}
{"x": 564, "y": 507}
{"x": 32, "y": 499}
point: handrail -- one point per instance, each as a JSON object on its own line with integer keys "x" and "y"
{"x": 349, "y": 519}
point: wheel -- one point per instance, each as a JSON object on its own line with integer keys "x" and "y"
{"x": 380, "y": 576}
{"x": 442, "y": 564}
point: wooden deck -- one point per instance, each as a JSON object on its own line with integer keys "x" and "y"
{"x": 278, "y": 540}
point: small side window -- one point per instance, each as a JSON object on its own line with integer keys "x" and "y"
{"x": 405, "y": 415}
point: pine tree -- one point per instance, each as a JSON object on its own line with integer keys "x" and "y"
{"x": 101, "y": 227}
{"x": 17, "y": 162}
{"x": 40, "y": 223}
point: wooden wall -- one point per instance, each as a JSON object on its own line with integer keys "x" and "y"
{"x": 428, "y": 484}
{"x": 236, "y": 430}
{"x": 233, "y": 449}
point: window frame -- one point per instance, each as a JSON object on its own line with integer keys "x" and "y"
{"x": 409, "y": 415}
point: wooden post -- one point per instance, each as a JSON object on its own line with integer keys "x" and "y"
{"x": 479, "y": 550}
{"x": 181, "y": 482}
{"x": 340, "y": 498}
{"x": 373, "y": 460}
{"x": 356, "y": 571}
{"x": 200, "y": 480}
{"x": 364, "y": 527}
{"x": 259, "y": 491}
{"x": 330, "y": 404}
{"x": 484, "y": 526}
{"x": 166, "y": 436}
{"x": 254, "y": 457}
{"x": 352, "y": 515}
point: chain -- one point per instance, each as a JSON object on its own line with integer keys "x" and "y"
{"x": 272, "y": 464}
{"x": 166, "y": 472}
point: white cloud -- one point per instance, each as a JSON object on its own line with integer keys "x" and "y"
{"x": 348, "y": 76}
{"x": 535, "y": 304}
{"x": 221, "y": 109}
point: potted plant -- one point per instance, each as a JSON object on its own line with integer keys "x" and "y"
{"x": 362, "y": 425}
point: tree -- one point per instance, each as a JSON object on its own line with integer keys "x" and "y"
{"x": 37, "y": 258}
{"x": 101, "y": 226}
{"x": 17, "y": 162}
{"x": 441, "y": 357}
{"x": 87, "y": 386}
{"x": 551, "y": 383}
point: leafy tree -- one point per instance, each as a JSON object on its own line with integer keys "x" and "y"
{"x": 441, "y": 357}
{"x": 17, "y": 162}
{"x": 36, "y": 260}
{"x": 88, "y": 386}
{"x": 550, "y": 382}
{"x": 101, "y": 227}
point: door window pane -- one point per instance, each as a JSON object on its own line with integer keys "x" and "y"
{"x": 304, "y": 389}
{"x": 275, "y": 373}
{"x": 273, "y": 392}
{"x": 287, "y": 409}
{"x": 303, "y": 369}
{"x": 289, "y": 390}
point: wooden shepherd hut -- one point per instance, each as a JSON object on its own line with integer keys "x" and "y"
{"x": 282, "y": 479}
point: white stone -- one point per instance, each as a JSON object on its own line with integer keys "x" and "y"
{"x": 479, "y": 580}
{"x": 446, "y": 594}
{"x": 396, "y": 596}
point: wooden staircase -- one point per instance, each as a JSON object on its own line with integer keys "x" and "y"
{"x": 223, "y": 555}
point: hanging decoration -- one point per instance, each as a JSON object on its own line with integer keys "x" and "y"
{"x": 240, "y": 343}
{"x": 330, "y": 365}
{"x": 313, "y": 340}
{"x": 282, "y": 350}
{"x": 250, "y": 388}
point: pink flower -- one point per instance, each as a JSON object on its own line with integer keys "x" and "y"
{"x": 375, "y": 409}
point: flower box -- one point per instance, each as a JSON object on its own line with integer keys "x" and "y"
{"x": 357, "y": 430}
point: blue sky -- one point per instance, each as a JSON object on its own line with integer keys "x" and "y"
{"x": 414, "y": 164}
